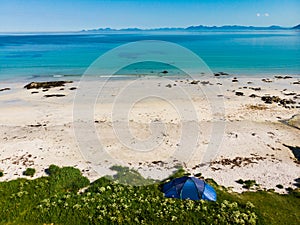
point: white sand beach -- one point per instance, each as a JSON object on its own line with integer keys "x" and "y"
{"x": 251, "y": 142}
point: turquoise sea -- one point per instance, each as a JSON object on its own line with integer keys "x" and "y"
{"x": 44, "y": 55}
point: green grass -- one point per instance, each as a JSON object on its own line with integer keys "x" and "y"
{"x": 60, "y": 199}
{"x": 128, "y": 176}
{"x": 270, "y": 207}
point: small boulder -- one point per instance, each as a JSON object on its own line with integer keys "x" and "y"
{"x": 267, "y": 80}
{"x": 253, "y": 96}
{"x": 238, "y": 93}
{"x": 195, "y": 82}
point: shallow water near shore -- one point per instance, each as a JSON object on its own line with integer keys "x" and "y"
{"x": 46, "y": 56}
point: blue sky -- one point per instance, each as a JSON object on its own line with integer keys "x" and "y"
{"x": 73, "y": 15}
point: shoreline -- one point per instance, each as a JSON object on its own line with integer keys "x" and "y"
{"x": 78, "y": 77}
{"x": 43, "y": 127}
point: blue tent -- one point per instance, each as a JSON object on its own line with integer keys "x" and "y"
{"x": 189, "y": 188}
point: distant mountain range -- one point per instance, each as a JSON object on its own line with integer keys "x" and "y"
{"x": 297, "y": 27}
{"x": 200, "y": 28}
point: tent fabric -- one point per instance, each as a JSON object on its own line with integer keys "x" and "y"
{"x": 209, "y": 193}
{"x": 189, "y": 188}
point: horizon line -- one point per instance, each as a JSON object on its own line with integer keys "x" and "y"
{"x": 148, "y": 29}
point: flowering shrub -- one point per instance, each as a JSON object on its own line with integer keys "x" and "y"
{"x": 110, "y": 202}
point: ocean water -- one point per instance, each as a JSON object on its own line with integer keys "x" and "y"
{"x": 250, "y": 53}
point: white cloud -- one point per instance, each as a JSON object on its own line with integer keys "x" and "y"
{"x": 257, "y": 14}
{"x": 266, "y": 14}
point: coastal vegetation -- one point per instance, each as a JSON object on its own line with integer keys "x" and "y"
{"x": 67, "y": 197}
{"x": 29, "y": 172}
{"x": 247, "y": 184}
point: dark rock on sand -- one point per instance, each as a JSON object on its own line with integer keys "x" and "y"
{"x": 158, "y": 162}
{"x": 253, "y": 96}
{"x": 267, "y": 80}
{"x": 281, "y": 77}
{"x": 291, "y": 93}
{"x": 169, "y": 85}
{"x": 37, "y": 125}
{"x": 296, "y": 82}
{"x": 195, "y": 82}
{"x": 286, "y": 101}
{"x": 221, "y": 74}
{"x": 296, "y": 97}
{"x": 278, "y": 77}
{"x": 205, "y": 82}
{"x": 270, "y": 99}
{"x": 235, "y": 79}
{"x": 238, "y": 93}
{"x": 48, "y": 84}
{"x": 73, "y": 88}
{"x": 54, "y": 95}
{"x": 255, "y": 88}
{"x": 276, "y": 99}
{"x": 238, "y": 161}
{"x": 5, "y": 89}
